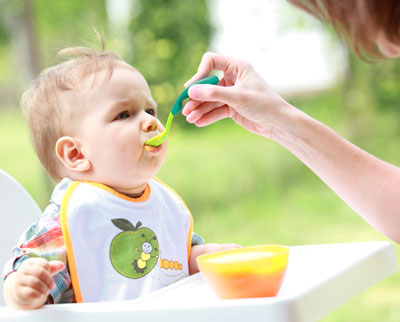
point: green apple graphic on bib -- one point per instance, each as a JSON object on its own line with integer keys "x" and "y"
{"x": 134, "y": 251}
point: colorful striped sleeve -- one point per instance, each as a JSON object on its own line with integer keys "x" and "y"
{"x": 43, "y": 239}
{"x": 197, "y": 239}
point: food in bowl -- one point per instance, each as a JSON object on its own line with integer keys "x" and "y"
{"x": 255, "y": 271}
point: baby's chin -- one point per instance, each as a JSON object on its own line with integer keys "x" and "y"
{"x": 149, "y": 173}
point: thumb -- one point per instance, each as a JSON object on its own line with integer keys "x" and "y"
{"x": 214, "y": 93}
{"x": 56, "y": 266}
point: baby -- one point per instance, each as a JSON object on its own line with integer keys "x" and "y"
{"x": 112, "y": 230}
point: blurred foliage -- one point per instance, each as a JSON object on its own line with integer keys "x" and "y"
{"x": 54, "y": 25}
{"x": 3, "y": 34}
{"x": 62, "y": 24}
{"x": 380, "y": 81}
{"x": 169, "y": 38}
{"x": 364, "y": 107}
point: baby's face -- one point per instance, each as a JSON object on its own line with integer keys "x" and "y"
{"x": 118, "y": 117}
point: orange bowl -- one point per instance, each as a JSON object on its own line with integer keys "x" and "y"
{"x": 255, "y": 271}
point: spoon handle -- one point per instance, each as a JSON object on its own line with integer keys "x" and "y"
{"x": 177, "y": 107}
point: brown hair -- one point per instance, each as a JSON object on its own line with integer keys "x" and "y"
{"x": 53, "y": 97}
{"x": 360, "y": 21}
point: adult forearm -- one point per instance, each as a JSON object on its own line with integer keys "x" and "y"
{"x": 367, "y": 184}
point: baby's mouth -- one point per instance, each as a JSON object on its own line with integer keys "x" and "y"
{"x": 150, "y": 148}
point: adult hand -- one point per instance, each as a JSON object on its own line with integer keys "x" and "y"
{"x": 242, "y": 94}
{"x": 29, "y": 287}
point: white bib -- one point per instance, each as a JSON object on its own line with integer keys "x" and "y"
{"x": 120, "y": 248}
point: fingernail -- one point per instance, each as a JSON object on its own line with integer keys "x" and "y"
{"x": 194, "y": 92}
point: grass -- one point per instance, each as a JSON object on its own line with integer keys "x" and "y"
{"x": 244, "y": 189}
{"x": 18, "y": 158}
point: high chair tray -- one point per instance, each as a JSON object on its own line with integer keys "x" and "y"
{"x": 319, "y": 279}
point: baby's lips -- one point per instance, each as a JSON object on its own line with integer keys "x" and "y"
{"x": 149, "y": 148}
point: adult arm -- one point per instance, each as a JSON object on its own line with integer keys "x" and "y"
{"x": 367, "y": 184}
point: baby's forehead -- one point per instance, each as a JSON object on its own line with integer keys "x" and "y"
{"x": 101, "y": 75}
{"x": 124, "y": 84}
{"x": 118, "y": 72}
{"x": 105, "y": 84}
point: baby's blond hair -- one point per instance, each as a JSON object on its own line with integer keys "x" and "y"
{"x": 50, "y": 101}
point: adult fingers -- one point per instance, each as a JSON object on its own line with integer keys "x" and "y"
{"x": 209, "y": 62}
{"x": 212, "y": 93}
{"x": 213, "y": 116}
{"x": 190, "y": 106}
{"x": 202, "y": 109}
{"x": 204, "y": 69}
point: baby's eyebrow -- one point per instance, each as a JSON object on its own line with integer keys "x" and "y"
{"x": 122, "y": 102}
{"x": 153, "y": 103}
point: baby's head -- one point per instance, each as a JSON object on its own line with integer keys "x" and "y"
{"x": 90, "y": 118}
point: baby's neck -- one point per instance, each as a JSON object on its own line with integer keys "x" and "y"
{"x": 133, "y": 195}
{"x": 132, "y": 192}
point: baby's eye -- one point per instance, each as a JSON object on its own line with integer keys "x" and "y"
{"x": 151, "y": 111}
{"x": 122, "y": 115}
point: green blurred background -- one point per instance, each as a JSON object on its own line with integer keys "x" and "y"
{"x": 241, "y": 188}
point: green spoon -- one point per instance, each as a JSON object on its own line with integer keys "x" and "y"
{"x": 176, "y": 108}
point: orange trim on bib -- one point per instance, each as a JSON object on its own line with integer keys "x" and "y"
{"x": 142, "y": 198}
{"x": 189, "y": 238}
{"x": 68, "y": 242}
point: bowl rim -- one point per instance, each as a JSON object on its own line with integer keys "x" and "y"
{"x": 276, "y": 262}
{"x": 244, "y": 249}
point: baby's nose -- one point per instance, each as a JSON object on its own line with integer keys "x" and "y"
{"x": 150, "y": 125}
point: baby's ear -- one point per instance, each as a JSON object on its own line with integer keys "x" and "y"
{"x": 68, "y": 150}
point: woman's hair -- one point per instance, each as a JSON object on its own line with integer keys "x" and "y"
{"x": 360, "y": 21}
{"x": 56, "y": 94}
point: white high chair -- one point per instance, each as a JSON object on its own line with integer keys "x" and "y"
{"x": 19, "y": 210}
{"x": 319, "y": 279}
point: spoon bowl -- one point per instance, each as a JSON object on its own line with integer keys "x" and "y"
{"x": 176, "y": 108}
